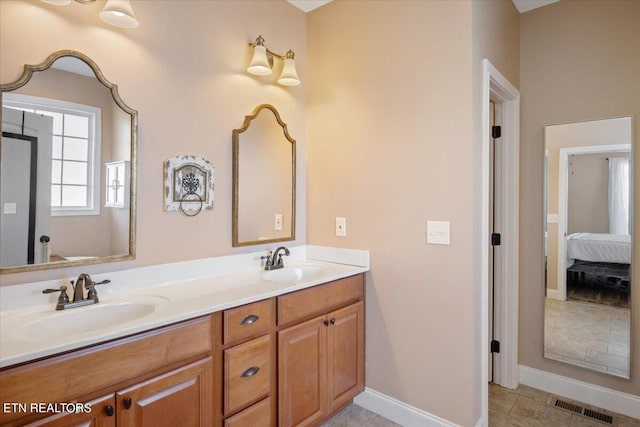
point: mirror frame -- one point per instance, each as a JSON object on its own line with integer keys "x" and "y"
{"x": 236, "y": 183}
{"x": 28, "y": 72}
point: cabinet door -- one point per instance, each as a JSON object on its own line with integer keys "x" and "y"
{"x": 345, "y": 354}
{"x": 98, "y": 416}
{"x": 302, "y": 374}
{"x": 182, "y": 397}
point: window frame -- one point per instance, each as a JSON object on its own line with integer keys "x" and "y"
{"x": 94, "y": 155}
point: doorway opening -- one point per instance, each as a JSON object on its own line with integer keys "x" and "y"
{"x": 499, "y": 229}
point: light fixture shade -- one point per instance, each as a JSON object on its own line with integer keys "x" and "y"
{"x": 119, "y": 13}
{"x": 259, "y": 63}
{"x": 57, "y": 2}
{"x": 289, "y": 76}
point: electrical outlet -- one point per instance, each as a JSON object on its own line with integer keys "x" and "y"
{"x": 341, "y": 227}
{"x": 278, "y": 222}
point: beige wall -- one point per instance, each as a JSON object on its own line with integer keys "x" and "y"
{"x": 391, "y": 145}
{"x": 183, "y": 69}
{"x": 579, "y": 62}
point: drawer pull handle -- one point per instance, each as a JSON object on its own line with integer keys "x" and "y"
{"x": 127, "y": 402}
{"x": 250, "y": 319}
{"x": 109, "y": 410}
{"x": 250, "y": 372}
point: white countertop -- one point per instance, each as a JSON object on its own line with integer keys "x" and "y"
{"x": 31, "y": 328}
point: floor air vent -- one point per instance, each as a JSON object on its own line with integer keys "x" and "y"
{"x": 568, "y": 406}
{"x": 598, "y": 416}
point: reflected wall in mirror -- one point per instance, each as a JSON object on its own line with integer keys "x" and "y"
{"x": 62, "y": 123}
{"x": 264, "y": 177}
{"x": 588, "y": 245}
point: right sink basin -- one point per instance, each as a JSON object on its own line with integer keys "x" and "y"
{"x": 292, "y": 273}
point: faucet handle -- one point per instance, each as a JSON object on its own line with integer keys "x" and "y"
{"x": 63, "y": 298}
{"x": 93, "y": 294}
{"x": 267, "y": 257}
{"x": 91, "y": 284}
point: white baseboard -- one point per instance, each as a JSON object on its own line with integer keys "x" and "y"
{"x": 397, "y": 411}
{"x": 554, "y": 294}
{"x": 605, "y": 398}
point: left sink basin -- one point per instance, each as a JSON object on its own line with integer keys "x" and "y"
{"x": 84, "y": 319}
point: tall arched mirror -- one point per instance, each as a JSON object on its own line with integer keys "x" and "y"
{"x": 68, "y": 164}
{"x": 264, "y": 177}
{"x": 589, "y": 220}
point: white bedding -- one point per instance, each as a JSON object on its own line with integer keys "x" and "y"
{"x": 599, "y": 247}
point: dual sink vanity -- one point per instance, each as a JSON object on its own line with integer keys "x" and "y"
{"x": 219, "y": 341}
{"x": 229, "y": 341}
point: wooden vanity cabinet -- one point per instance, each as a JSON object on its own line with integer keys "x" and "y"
{"x": 321, "y": 360}
{"x": 165, "y": 372}
{"x": 102, "y": 415}
{"x": 291, "y": 360}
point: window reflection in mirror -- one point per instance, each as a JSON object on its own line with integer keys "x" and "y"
{"x": 588, "y": 244}
{"x": 80, "y": 125}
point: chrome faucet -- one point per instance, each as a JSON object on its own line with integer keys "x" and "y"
{"x": 83, "y": 281}
{"x": 273, "y": 260}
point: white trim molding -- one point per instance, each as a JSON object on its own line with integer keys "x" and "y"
{"x": 397, "y": 411}
{"x": 496, "y": 87}
{"x": 605, "y": 398}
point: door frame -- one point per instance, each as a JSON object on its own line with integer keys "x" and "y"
{"x": 563, "y": 209}
{"x": 33, "y": 187}
{"x": 496, "y": 87}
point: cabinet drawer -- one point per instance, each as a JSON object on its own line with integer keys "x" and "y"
{"x": 247, "y": 373}
{"x": 320, "y": 299}
{"x": 258, "y": 415}
{"x": 248, "y": 321}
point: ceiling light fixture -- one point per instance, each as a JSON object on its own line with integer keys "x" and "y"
{"x": 115, "y": 12}
{"x": 262, "y": 61}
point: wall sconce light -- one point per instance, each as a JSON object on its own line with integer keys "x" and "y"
{"x": 115, "y": 12}
{"x": 262, "y": 61}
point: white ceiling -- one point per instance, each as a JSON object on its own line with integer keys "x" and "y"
{"x": 522, "y": 5}
{"x": 308, "y": 5}
{"x": 527, "y": 5}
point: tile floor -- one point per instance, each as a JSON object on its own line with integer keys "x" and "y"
{"x": 524, "y": 406}
{"x": 356, "y": 416}
{"x": 593, "y": 336}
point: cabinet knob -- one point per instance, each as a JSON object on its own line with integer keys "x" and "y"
{"x": 127, "y": 402}
{"x": 333, "y": 321}
{"x": 326, "y": 322}
{"x": 250, "y": 372}
{"x": 109, "y": 410}
{"x": 252, "y": 318}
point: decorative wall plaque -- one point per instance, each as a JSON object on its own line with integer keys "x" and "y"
{"x": 188, "y": 184}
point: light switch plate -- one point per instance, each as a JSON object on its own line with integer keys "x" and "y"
{"x": 9, "y": 208}
{"x": 278, "y": 222}
{"x": 438, "y": 232}
{"x": 341, "y": 227}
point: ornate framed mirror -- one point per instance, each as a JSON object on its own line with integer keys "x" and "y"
{"x": 264, "y": 180}
{"x": 77, "y": 125}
